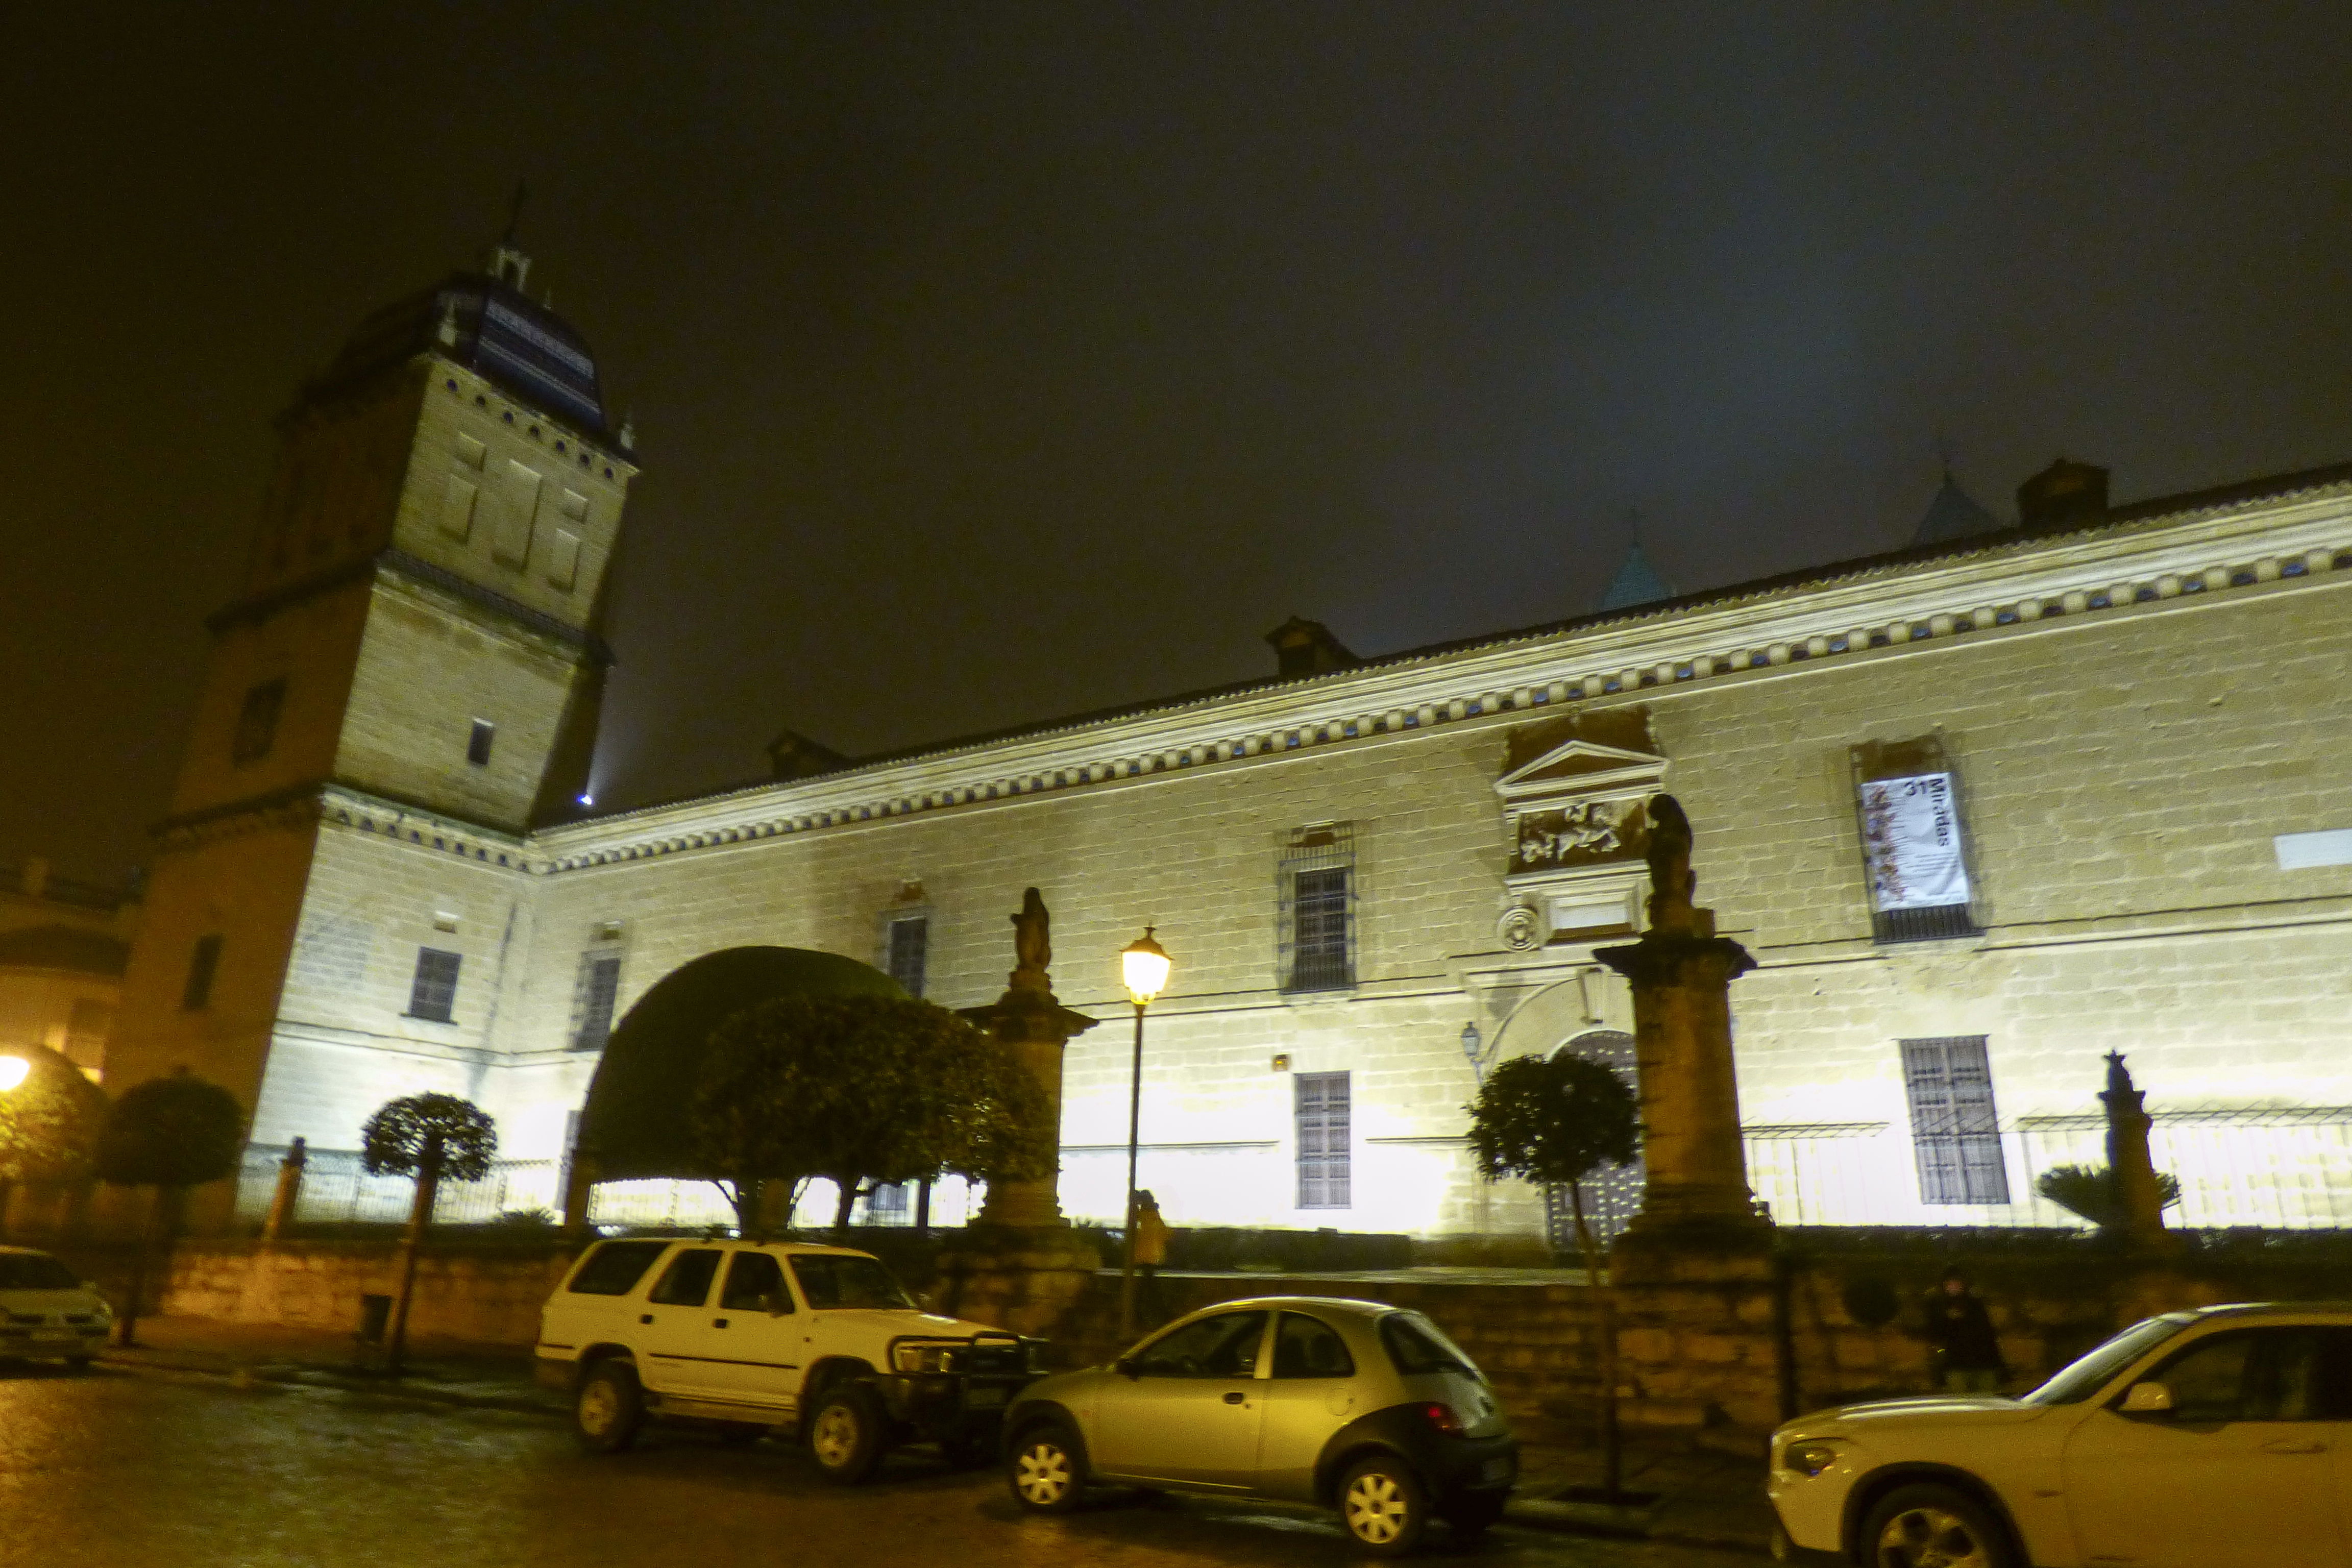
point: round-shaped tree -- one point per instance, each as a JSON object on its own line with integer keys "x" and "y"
{"x": 50, "y": 1123}
{"x": 430, "y": 1137}
{"x": 171, "y": 1134}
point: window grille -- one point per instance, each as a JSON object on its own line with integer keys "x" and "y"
{"x": 257, "y": 723}
{"x": 203, "y": 963}
{"x": 1316, "y": 893}
{"x": 909, "y": 947}
{"x": 434, "y": 992}
{"x": 1954, "y": 1133}
{"x": 599, "y": 987}
{"x": 1323, "y": 1139}
{"x": 1918, "y": 874}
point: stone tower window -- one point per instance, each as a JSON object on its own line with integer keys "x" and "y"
{"x": 477, "y": 744}
{"x": 433, "y": 992}
{"x": 257, "y": 723}
{"x": 203, "y": 963}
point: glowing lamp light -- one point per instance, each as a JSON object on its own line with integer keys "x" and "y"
{"x": 1143, "y": 965}
{"x": 13, "y": 1071}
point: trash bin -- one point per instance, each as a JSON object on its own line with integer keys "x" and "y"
{"x": 375, "y": 1314}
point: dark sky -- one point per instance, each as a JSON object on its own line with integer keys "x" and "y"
{"x": 993, "y": 361}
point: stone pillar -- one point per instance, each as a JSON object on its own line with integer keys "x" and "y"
{"x": 1035, "y": 1027}
{"x": 1021, "y": 1267}
{"x": 288, "y": 1195}
{"x": 1681, "y": 974}
{"x": 580, "y": 1174}
{"x": 2139, "y": 1203}
{"x": 1693, "y": 1274}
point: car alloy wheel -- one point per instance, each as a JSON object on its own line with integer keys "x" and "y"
{"x": 608, "y": 1409}
{"x": 1044, "y": 1470}
{"x": 1935, "y": 1527}
{"x": 848, "y": 1435}
{"x": 1382, "y": 1506}
{"x": 836, "y": 1439}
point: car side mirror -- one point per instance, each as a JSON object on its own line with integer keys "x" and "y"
{"x": 2146, "y": 1399}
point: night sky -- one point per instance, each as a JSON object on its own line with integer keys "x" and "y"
{"x": 1000, "y": 361}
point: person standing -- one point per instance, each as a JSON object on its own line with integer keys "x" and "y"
{"x": 1150, "y": 1250}
{"x": 1967, "y": 1352}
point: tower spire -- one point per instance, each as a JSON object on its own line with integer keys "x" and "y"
{"x": 507, "y": 262}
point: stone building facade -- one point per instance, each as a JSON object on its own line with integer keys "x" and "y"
{"x": 1376, "y": 875}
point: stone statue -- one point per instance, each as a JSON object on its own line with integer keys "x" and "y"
{"x": 1672, "y": 883}
{"x": 2119, "y": 1078}
{"x": 1032, "y": 941}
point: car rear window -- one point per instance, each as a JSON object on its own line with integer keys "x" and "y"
{"x": 35, "y": 1271}
{"x": 1417, "y": 1345}
{"x": 833, "y": 1279}
{"x": 614, "y": 1268}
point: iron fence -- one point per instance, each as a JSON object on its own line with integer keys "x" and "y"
{"x": 2286, "y": 1169}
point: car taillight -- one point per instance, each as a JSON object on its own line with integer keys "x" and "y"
{"x": 1441, "y": 1416}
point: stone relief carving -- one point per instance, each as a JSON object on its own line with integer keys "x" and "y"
{"x": 1578, "y": 834}
{"x": 1521, "y": 929}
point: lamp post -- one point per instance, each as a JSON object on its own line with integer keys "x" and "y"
{"x": 13, "y": 1070}
{"x": 1143, "y": 965}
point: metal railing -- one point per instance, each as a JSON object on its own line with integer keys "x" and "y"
{"x": 2281, "y": 1169}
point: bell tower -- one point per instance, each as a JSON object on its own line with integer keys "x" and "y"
{"x": 416, "y": 645}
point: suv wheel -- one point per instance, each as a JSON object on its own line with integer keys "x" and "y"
{"x": 609, "y": 1408}
{"x": 848, "y": 1433}
{"x": 1044, "y": 1470}
{"x": 1929, "y": 1526}
{"x": 1383, "y": 1506}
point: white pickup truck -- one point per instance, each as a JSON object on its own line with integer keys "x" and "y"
{"x": 747, "y": 1337}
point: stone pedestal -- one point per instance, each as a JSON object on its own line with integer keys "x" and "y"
{"x": 1681, "y": 974}
{"x": 1030, "y": 1023}
{"x": 2139, "y": 1202}
{"x": 1027, "y": 1280}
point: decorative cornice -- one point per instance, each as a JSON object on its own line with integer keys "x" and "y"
{"x": 258, "y": 607}
{"x": 1886, "y": 606}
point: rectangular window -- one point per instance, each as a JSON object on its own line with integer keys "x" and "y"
{"x": 197, "y": 995}
{"x": 257, "y": 723}
{"x": 600, "y": 986}
{"x": 910, "y": 939}
{"x": 1317, "y": 888}
{"x": 1323, "y": 1141}
{"x": 1955, "y": 1132}
{"x": 434, "y": 992}
{"x": 1914, "y": 846}
{"x": 477, "y": 744}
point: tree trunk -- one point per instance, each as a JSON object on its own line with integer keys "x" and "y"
{"x": 847, "y": 1201}
{"x": 127, "y": 1326}
{"x": 923, "y": 1209}
{"x": 1613, "y": 1448}
{"x": 7, "y": 1194}
{"x": 420, "y": 1217}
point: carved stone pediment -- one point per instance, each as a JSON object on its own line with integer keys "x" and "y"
{"x": 1577, "y": 814}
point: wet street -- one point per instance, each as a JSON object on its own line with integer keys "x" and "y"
{"x": 110, "y": 1470}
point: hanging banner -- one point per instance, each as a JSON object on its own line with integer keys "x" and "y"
{"x": 1911, "y": 839}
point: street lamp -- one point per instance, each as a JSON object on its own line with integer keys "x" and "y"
{"x": 1143, "y": 965}
{"x": 13, "y": 1070}
{"x": 1474, "y": 1047}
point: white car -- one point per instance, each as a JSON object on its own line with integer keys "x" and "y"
{"x": 2215, "y": 1439}
{"x": 48, "y": 1310}
{"x": 745, "y": 1336}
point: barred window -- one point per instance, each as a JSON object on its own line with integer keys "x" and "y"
{"x": 1323, "y": 1139}
{"x": 910, "y": 946}
{"x": 1317, "y": 888}
{"x": 434, "y": 992}
{"x": 203, "y": 963}
{"x": 257, "y": 723}
{"x": 599, "y": 987}
{"x": 1914, "y": 848}
{"x": 1955, "y": 1132}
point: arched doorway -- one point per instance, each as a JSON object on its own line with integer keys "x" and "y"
{"x": 1613, "y": 1197}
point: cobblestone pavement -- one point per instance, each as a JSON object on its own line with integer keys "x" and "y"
{"x": 112, "y": 1470}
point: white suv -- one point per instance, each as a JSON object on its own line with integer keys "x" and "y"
{"x": 748, "y": 1336}
{"x": 2217, "y": 1438}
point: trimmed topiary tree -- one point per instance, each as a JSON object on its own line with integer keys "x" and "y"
{"x": 171, "y": 1134}
{"x": 862, "y": 1089}
{"x": 432, "y": 1137}
{"x": 1557, "y": 1119}
{"x": 50, "y": 1125}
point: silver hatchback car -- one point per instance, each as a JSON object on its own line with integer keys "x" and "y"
{"x": 1355, "y": 1405}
